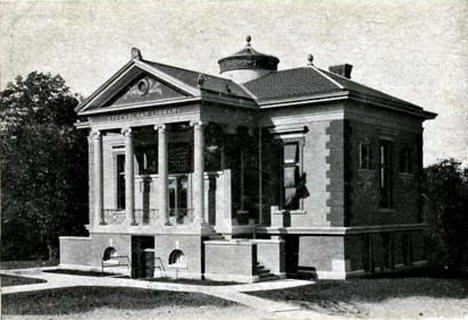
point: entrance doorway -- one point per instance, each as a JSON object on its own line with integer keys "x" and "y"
{"x": 142, "y": 257}
{"x": 292, "y": 254}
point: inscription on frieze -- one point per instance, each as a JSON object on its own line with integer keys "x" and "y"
{"x": 143, "y": 114}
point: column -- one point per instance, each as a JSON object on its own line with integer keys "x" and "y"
{"x": 98, "y": 178}
{"x": 198, "y": 175}
{"x": 163, "y": 172}
{"x": 129, "y": 178}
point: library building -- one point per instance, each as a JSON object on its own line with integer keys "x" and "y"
{"x": 252, "y": 174}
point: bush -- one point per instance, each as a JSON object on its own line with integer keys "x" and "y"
{"x": 445, "y": 190}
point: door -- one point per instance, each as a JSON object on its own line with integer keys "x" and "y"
{"x": 142, "y": 253}
{"x": 292, "y": 254}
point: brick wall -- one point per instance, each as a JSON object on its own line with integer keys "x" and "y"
{"x": 363, "y": 184}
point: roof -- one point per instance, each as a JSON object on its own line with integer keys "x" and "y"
{"x": 248, "y": 58}
{"x": 190, "y": 77}
{"x": 291, "y": 83}
{"x": 284, "y": 86}
{"x": 308, "y": 81}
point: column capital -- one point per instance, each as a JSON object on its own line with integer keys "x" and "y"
{"x": 160, "y": 127}
{"x": 95, "y": 134}
{"x": 126, "y": 131}
{"x": 198, "y": 124}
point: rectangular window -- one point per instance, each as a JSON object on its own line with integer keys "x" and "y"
{"x": 406, "y": 161}
{"x": 291, "y": 176}
{"x": 364, "y": 156}
{"x": 147, "y": 159}
{"x": 178, "y": 186}
{"x": 385, "y": 148}
{"x": 120, "y": 181}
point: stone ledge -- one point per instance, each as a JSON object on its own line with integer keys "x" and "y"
{"x": 342, "y": 230}
{"x": 231, "y": 277}
{"x": 74, "y": 238}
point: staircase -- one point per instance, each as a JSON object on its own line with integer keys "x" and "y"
{"x": 263, "y": 273}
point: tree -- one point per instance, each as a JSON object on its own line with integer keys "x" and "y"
{"x": 44, "y": 186}
{"x": 446, "y": 192}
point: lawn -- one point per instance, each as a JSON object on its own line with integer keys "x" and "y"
{"x": 391, "y": 297}
{"x": 8, "y": 280}
{"x": 84, "y": 299}
{"x": 18, "y": 264}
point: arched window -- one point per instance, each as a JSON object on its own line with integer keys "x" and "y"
{"x": 177, "y": 259}
{"x": 109, "y": 254}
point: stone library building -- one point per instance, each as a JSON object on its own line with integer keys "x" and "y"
{"x": 256, "y": 173}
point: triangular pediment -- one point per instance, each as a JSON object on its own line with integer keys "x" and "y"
{"x": 144, "y": 88}
{"x": 137, "y": 83}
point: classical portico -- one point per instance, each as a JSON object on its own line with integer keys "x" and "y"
{"x": 163, "y": 209}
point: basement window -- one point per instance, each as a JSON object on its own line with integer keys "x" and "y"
{"x": 177, "y": 259}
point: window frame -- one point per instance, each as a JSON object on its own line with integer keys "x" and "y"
{"x": 298, "y": 164}
{"x": 119, "y": 175}
{"x": 368, "y": 156}
{"x": 405, "y": 160}
{"x": 386, "y": 160}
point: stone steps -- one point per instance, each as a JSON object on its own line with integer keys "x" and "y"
{"x": 263, "y": 273}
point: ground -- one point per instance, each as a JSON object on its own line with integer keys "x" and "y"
{"x": 114, "y": 303}
{"x": 380, "y": 298}
{"x": 415, "y": 295}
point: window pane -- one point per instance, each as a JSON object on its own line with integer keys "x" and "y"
{"x": 290, "y": 153}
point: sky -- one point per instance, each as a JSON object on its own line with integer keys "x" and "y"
{"x": 415, "y": 50}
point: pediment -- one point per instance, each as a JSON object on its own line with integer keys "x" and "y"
{"x": 144, "y": 88}
{"x": 137, "y": 84}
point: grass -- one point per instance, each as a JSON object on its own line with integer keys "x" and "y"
{"x": 359, "y": 297}
{"x": 23, "y": 264}
{"x": 83, "y": 299}
{"x": 8, "y": 280}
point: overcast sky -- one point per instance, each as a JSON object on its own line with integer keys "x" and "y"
{"x": 415, "y": 50}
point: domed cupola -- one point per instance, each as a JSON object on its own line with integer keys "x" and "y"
{"x": 247, "y": 64}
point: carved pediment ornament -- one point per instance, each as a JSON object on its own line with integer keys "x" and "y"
{"x": 143, "y": 87}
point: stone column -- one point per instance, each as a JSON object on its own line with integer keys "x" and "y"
{"x": 199, "y": 173}
{"x": 163, "y": 172}
{"x": 129, "y": 178}
{"x": 98, "y": 178}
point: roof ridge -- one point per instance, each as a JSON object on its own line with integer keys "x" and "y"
{"x": 326, "y": 76}
{"x": 174, "y": 67}
{"x": 369, "y": 88}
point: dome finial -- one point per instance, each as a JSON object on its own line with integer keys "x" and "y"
{"x": 310, "y": 58}
{"x": 248, "y": 39}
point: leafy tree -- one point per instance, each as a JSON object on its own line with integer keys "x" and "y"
{"x": 44, "y": 186}
{"x": 446, "y": 192}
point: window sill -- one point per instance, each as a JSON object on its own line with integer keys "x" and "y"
{"x": 292, "y": 212}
